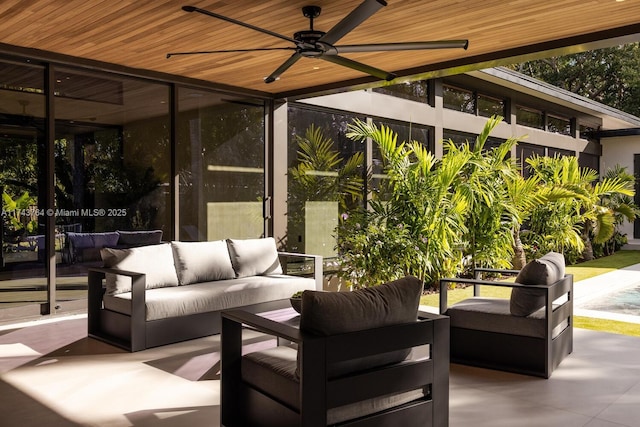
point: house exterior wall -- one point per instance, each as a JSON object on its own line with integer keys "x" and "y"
{"x": 620, "y": 151}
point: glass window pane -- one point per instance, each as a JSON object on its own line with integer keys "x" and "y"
{"x": 324, "y": 165}
{"x": 220, "y": 165}
{"x": 406, "y": 133}
{"x": 22, "y": 150}
{"x": 525, "y": 151}
{"x": 587, "y": 132}
{"x": 458, "y": 99}
{"x": 489, "y": 106}
{"x": 112, "y": 167}
{"x": 530, "y": 117}
{"x": 559, "y": 125}
{"x": 414, "y": 91}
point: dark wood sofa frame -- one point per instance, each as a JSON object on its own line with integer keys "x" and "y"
{"x": 511, "y": 352}
{"x": 244, "y": 405}
{"x": 134, "y": 333}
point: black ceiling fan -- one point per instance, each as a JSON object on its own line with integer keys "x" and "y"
{"x": 313, "y": 43}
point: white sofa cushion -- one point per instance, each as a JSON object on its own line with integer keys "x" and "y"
{"x": 202, "y": 261}
{"x": 254, "y": 257}
{"x": 211, "y": 296}
{"x": 156, "y": 261}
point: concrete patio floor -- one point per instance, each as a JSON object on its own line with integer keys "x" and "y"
{"x": 52, "y": 374}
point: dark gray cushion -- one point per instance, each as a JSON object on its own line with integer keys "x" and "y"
{"x": 493, "y": 315}
{"x": 330, "y": 313}
{"x": 543, "y": 271}
{"x": 86, "y": 246}
{"x": 139, "y": 238}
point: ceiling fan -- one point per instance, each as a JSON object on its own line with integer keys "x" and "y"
{"x": 313, "y": 43}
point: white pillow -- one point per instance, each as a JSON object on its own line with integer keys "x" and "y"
{"x": 156, "y": 261}
{"x": 254, "y": 257}
{"x": 202, "y": 261}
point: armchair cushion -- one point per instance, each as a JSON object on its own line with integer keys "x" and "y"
{"x": 543, "y": 271}
{"x": 330, "y": 313}
{"x": 254, "y": 257}
{"x": 274, "y": 370}
{"x": 493, "y": 315}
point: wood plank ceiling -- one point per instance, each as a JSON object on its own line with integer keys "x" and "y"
{"x": 138, "y": 34}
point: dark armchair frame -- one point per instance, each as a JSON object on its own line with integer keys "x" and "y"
{"x": 244, "y": 405}
{"x": 537, "y": 356}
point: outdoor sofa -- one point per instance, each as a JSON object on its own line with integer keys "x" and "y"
{"x": 160, "y": 294}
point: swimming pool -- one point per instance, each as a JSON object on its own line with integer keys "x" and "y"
{"x": 625, "y": 301}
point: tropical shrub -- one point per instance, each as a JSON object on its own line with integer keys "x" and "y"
{"x": 419, "y": 229}
{"x": 471, "y": 208}
{"x": 573, "y": 216}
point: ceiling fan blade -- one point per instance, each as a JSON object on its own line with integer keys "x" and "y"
{"x": 352, "y": 20}
{"x": 376, "y": 72}
{"x": 235, "y": 21}
{"x": 440, "y": 44}
{"x": 282, "y": 68}
{"x": 169, "y": 55}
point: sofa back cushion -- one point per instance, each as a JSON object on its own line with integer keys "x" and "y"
{"x": 330, "y": 313}
{"x": 254, "y": 257}
{"x": 202, "y": 261}
{"x": 134, "y": 239}
{"x": 542, "y": 271}
{"x": 156, "y": 261}
{"x": 85, "y": 247}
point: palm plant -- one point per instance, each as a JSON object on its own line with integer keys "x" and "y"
{"x": 418, "y": 230}
{"x": 575, "y": 215}
{"x": 490, "y": 217}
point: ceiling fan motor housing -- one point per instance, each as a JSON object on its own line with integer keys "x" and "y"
{"x": 308, "y": 42}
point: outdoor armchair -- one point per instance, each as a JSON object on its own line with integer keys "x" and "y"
{"x": 357, "y": 378}
{"x": 530, "y": 333}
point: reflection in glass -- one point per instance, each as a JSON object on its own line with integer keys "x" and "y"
{"x": 22, "y": 145}
{"x": 458, "y": 99}
{"x": 112, "y": 169}
{"x": 220, "y": 160}
{"x": 325, "y": 179}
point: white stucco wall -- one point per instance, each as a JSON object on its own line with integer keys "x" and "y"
{"x": 620, "y": 151}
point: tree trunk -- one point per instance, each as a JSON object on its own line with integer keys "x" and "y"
{"x": 587, "y": 253}
{"x": 519, "y": 257}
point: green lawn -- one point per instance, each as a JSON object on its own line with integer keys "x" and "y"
{"x": 580, "y": 271}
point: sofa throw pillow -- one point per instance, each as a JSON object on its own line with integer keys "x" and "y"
{"x": 542, "y": 271}
{"x": 155, "y": 261}
{"x": 202, "y": 261}
{"x": 254, "y": 257}
{"x": 139, "y": 238}
{"x": 329, "y": 313}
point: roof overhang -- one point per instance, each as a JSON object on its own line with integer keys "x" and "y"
{"x": 134, "y": 37}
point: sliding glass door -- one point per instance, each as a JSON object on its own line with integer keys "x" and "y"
{"x": 22, "y": 184}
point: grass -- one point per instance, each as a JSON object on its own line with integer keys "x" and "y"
{"x": 580, "y": 271}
